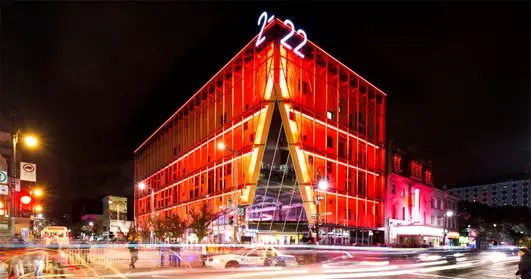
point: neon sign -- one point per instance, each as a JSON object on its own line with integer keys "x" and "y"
{"x": 263, "y": 20}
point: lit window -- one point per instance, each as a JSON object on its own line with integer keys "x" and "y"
{"x": 396, "y": 163}
{"x": 330, "y": 115}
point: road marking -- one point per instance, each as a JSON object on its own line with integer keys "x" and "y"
{"x": 433, "y": 275}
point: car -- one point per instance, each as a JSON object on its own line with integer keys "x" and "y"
{"x": 257, "y": 256}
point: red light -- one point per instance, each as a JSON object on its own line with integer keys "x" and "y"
{"x": 25, "y": 199}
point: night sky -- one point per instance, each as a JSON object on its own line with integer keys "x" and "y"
{"x": 95, "y": 80}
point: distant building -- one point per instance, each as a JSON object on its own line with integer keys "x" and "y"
{"x": 509, "y": 191}
{"x": 414, "y": 208}
{"x": 115, "y": 216}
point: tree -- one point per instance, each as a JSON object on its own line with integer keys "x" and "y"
{"x": 158, "y": 225}
{"x": 200, "y": 219}
{"x": 175, "y": 226}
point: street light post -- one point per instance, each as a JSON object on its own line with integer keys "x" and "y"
{"x": 30, "y": 141}
{"x": 447, "y": 214}
{"x": 222, "y": 146}
{"x": 322, "y": 184}
{"x": 142, "y": 186}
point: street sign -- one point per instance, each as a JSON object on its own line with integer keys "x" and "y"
{"x": 28, "y": 172}
{"x": 3, "y": 177}
{"x": 241, "y": 211}
{"x": 4, "y": 189}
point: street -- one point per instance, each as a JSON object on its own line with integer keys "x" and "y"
{"x": 473, "y": 267}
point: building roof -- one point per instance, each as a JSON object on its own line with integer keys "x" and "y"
{"x": 495, "y": 179}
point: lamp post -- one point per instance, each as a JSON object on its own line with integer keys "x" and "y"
{"x": 322, "y": 185}
{"x": 142, "y": 186}
{"x": 447, "y": 215}
{"x": 222, "y": 146}
{"x": 30, "y": 141}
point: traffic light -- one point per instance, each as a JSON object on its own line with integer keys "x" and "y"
{"x": 25, "y": 204}
{"x": 231, "y": 220}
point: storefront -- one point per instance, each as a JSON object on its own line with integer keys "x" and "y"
{"x": 416, "y": 235}
{"x": 278, "y": 238}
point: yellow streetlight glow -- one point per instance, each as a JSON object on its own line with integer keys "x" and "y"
{"x": 37, "y": 192}
{"x": 221, "y": 146}
{"x": 38, "y": 208}
{"x": 31, "y": 141}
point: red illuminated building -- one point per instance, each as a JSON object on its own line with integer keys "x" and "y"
{"x": 285, "y": 121}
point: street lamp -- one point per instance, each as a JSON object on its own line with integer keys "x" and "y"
{"x": 447, "y": 214}
{"x": 322, "y": 185}
{"x": 222, "y": 146}
{"x": 37, "y": 192}
{"x": 142, "y": 186}
{"x": 38, "y": 208}
{"x": 30, "y": 141}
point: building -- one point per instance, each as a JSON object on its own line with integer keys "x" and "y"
{"x": 417, "y": 212}
{"x": 115, "y": 216}
{"x": 507, "y": 191}
{"x": 260, "y": 136}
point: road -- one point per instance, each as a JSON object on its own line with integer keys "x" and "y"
{"x": 468, "y": 268}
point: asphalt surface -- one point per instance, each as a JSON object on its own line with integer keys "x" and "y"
{"x": 469, "y": 268}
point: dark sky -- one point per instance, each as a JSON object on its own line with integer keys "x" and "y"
{"x": 96, "y": 79}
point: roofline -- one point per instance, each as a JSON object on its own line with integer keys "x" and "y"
{"x": 276, "y": 20}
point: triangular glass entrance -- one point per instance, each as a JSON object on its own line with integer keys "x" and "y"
{"x": 277, "y": 205}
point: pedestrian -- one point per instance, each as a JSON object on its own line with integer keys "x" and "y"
{"x": 524, "y": 266}
{"x": 204, "y": 254}
{"x": 133, "y": 251}
{"x": 38, "y": 264}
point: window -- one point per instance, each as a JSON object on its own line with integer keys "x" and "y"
{"x": 305, "y": 87}
{"x": 427, "y": 176}
{"x": 433, "y": 203}
{"x": 433, "y": 220}
{"x": 441, "y": 204}
{"x": 340, "y": 105}
{"x": 396, "y": 163}
{"x": 329, "y": 142}
{"x": 393, "y": 189}
{"x": 245, "y": 125}
{"x": 330, "y": 115}
{"x": 341, "y": 149}
{"x": 403, "y": 213}
{"x": 292, "y": 116}
{"x": 393, "y": 212}
{"x": 361, "y": 184}
{"x": 310, "y": 159}
{"x": 329, "y": 167}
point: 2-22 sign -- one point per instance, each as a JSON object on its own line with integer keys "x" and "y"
{"x": 263, "y": 20}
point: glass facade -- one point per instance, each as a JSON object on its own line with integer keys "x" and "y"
{"x": 287, "y": 122}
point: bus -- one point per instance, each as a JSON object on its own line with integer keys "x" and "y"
{"x": 59, "y": 233}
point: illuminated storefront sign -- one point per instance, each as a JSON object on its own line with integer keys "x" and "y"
{"x": 454, "y": 235}
{"x": 464, "y": 240}
{"x": 419, "y": 230}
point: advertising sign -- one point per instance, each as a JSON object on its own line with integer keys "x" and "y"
{"x": 28, "y": 172}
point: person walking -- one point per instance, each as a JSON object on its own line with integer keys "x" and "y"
{"x": 38, "y": 264}
{"x": 524, "y": 266}
{"x": 133, "y": 251}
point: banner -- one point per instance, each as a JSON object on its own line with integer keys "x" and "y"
{"x": 28, "y": 172}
